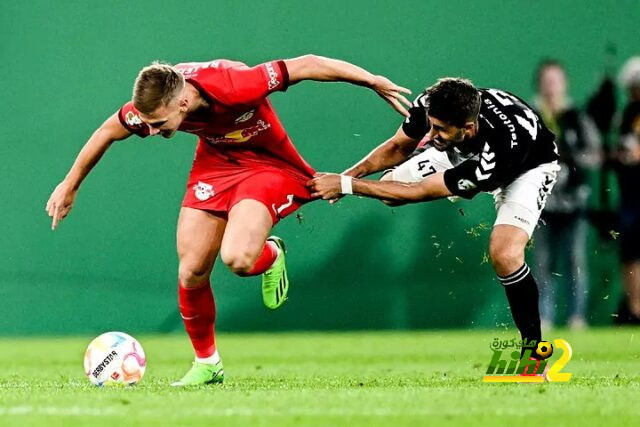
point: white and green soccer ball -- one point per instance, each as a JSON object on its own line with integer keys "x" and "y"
{"x": 114, "y": 358}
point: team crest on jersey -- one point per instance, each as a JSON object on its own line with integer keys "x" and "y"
{"x": 132, "y": 119}
{"x": 246, "y": 116}
{"x": 203, "y": 191}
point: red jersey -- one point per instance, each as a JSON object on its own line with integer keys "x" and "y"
{"x": 243, "y": 130}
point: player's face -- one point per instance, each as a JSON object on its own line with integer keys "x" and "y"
{"x": 165, "y": 120}
{"x": 444, "y": 135}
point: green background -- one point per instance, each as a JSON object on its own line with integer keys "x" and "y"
{"x": 66, "y": 66}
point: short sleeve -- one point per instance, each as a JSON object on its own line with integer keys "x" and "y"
{"x": 486, "y": 173}
{"x": 130, "y": 119}
{"x": 234, "y": 83}
{"x": 416, "y": 126}
{"x": 252, "y": 85}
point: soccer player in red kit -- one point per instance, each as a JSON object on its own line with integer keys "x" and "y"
{"x": 246, "y": 175}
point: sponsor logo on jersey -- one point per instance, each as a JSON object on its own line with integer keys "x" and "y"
{"x": 190, "y": 69}
{"x": 273, "y": 76}
{"x": 203, "y": 191}
{"x": 132, "y": 119}
{"x": 505, "y": 120}
{"x": 240, "y": 135}
{"x": 528, "y": 123}
{"x": 246, "y": 116}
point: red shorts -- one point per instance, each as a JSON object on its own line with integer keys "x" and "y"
{"x": 280, "y": 191}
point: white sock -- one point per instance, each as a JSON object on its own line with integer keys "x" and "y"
{"x": 211, "y": 360}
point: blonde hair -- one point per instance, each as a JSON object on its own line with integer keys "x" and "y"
{"x": 156, "y": 85}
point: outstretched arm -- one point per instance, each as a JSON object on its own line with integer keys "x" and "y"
{"x": 390, "y": 153}
{"x": 329, "y": 186}
{"x": 319, "y": 68}
{"x": 61, "y": 200}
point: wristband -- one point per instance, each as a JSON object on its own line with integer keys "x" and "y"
{"x": 346, "y": 184}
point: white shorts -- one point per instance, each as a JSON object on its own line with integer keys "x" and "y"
{"x": 519, "y": 203}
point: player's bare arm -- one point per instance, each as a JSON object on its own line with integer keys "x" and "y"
{"x": 314, "y": 67}
{"x": 61, "y": 200}
{"x": 390, "y": 153}
{"x": 330, "y": 186}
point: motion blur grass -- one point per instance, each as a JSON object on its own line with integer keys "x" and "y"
{"x": 370, "y": 378}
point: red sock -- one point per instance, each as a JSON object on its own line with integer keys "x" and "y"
{"x": 265, "y": 260}
{"x": 198, "y": 311}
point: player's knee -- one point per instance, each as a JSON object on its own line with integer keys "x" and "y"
{"x": 191, "y": 274}
{"x": 505, "y": 257}
{"x": 238, "y": 261}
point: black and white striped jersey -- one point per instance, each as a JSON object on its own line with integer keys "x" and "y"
{"x": 511, "y": 140}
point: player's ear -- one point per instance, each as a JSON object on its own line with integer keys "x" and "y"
{"x": 183, "y": 104}
{"x": 469, "y": 127}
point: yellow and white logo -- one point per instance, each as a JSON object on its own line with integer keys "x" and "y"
{"x": 240, "y": 135}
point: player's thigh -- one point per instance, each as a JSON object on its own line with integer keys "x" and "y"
{"x": 248, "y": 227}
{"x": 520, "y": 203}
{"x": 199, "y": 237}
{"x": 419, "y": 166}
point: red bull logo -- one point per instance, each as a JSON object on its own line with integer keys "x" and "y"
{"x": 240, "y": 135}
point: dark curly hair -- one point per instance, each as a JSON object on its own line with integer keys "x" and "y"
{"x": 454, "y": 101}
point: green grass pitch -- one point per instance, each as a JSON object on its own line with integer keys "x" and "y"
{"x": 350, "y": 379}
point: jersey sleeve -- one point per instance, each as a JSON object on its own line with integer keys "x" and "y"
{"x": 130, "y": 119}
{"x": 486, "y": 173}
{"x": 234, "y": 83}
{"x": 417, "y": 125}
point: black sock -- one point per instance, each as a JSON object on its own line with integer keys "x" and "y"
{"x": 522, "y": 293}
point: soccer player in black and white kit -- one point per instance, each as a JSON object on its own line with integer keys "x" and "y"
{"x": 459, "y": 141}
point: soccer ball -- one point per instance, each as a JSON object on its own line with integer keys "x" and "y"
{"x": 114, "y": 358}
{"x": 544, "y": 350}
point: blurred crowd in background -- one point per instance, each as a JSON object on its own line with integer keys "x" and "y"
{"x": 598, "y": 144}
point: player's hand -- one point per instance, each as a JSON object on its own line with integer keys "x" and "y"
{"x": 325, "y": 185}
{"x": 392, "y": 93}
{"x": 349, "y": 172}
{"x": 60, "y": 203}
